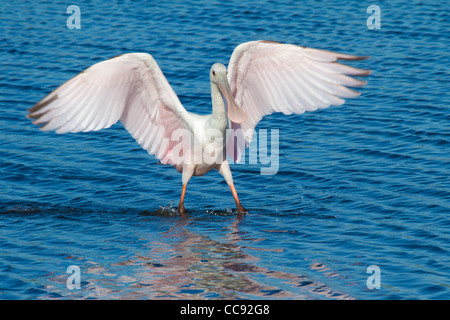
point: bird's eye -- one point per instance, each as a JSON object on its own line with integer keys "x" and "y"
{"x": 214, "y": 73}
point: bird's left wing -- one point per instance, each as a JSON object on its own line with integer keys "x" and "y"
{"x": 130, "y": 88}
{"x": 267, "y": 77}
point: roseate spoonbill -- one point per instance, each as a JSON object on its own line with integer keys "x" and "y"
{"x": 263, "y": 77}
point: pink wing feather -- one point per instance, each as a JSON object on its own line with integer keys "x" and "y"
{"x": 267, "y": 77}
{"x": 130, "y": 88}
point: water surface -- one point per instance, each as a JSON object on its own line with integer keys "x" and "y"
{"x": 361, "y": 184}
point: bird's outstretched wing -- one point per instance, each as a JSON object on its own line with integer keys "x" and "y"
{"x": 267, "y": 77}
{"x": 130, "y": 88}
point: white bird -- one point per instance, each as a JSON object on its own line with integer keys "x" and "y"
{"x": 263, "y": 77}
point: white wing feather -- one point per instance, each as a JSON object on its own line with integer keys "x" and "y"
{"x": 130, "y": 88}
{"x": 267, "y": 77}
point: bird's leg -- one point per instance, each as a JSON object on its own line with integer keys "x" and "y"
{"x": 181, "y": 208}
{"x": 225, "y": 171}
{"x": 239, "y": 206}
{"x": 187, "y": 173}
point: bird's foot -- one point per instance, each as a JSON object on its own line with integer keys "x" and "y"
{"x": 182, "y": 210}
{"x": 241, "y": 209}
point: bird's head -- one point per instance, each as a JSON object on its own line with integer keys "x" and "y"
{"x": 218, "y": 76}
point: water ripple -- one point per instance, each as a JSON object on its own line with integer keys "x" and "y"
{"x": 361, "y": 184}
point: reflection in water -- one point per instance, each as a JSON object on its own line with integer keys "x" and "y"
{"x": 182, "y": 264}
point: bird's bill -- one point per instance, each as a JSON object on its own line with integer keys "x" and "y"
{"x": 235, "y": 113}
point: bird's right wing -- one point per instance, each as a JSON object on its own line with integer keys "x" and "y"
{"x": 130, "y": 88}
{"x": 267, "y": 77}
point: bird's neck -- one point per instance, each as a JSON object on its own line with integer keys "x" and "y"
{"x": 219, "y": 105}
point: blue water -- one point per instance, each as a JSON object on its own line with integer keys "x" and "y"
{"x": 366, "y": 183}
